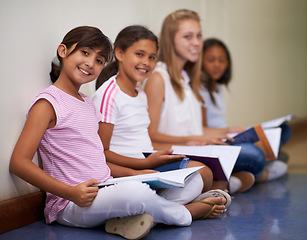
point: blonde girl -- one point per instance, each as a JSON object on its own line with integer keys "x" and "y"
{"x": 172, "y": 90}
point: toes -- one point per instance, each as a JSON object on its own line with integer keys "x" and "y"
{"x": 216, "y": 213}
{"x": 217, "y": 200}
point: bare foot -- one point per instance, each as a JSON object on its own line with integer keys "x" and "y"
{"x": 200, "y": 209}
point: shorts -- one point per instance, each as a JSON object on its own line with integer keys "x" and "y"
{"x": 174, "y": 165}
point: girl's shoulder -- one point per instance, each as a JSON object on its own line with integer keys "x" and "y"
{"x": 160, "y": 67}
{"x": 141, "y": 92}
{"x": 218, "y": 87}
{"x": 50, "y": 90}
{"x": 110, "y": 83}
{"x": 108, "y": 87}
{"x": 160, "y": 73}
{"x": 49, "y": 93}
{"x": 54, "y": 92}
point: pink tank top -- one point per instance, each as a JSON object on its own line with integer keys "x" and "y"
{"x": 72, "y": 151}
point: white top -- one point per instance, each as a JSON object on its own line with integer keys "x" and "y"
{"x": 179, "y": 118}
{"x": 129, "y": 116}
{"x": 215, "y": 113}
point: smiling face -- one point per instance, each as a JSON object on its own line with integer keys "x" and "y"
{"x": 188, "y": 41}
{"x": 82, "y": 66}
{"x": 138, "y": 61}
{"x": 215, "y": 62}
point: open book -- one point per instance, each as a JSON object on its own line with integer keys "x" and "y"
{"x": 169, "y": 179}
{"x": 266, "y": 136}
{"x": 267, "y": 140}
{"x": 219, "y": 158}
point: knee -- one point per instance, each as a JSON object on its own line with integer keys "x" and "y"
{"x": 251, "y": 159}
{"x": 252, "y": 153}
{"x": 258, "y": 155}
{"x": 285, "y": 133}
{"x": 133, "y": 191}
{"x": 205, "y": 173}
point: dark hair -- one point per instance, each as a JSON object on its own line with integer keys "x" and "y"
{"x": 84, "y": 36}
{"x": 226, "y": 77}
{"x": 125, "y": 38}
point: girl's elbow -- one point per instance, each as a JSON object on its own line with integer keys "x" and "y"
{"x": 152, "y": 131}
{"x": 12, "y": 166}
{"x": 153, "y": 136}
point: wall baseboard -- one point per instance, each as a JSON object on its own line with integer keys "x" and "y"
{"x": 21, "y": 211}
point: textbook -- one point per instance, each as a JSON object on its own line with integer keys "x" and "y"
{"x": 169, "y": 179}
{"x": 266, "y": 136}
{"x": 219, "y": 158}
{"x": 267, "y": 140}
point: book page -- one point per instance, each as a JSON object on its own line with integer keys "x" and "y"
{"x": 226, "y": 155}
{"x": 276, "y": 122}
{"x": 171, "y": 179}
{"x": 273, "y": 135}
{"x": 268, "y": 124}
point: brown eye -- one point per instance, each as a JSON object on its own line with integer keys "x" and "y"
{"x": 84, "y": 52}
{"x": 100, "y": 61}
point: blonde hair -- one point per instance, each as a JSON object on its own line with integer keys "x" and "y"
{"x": 167, "y": 52}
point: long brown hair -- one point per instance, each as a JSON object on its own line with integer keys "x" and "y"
{"x": 84, "y": 36}
{"x": 167, "y": 52}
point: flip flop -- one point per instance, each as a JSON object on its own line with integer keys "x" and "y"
{"x": 210, "y": 203}
{"x": 131, "y": 227}
{"x": 215, "y": 193}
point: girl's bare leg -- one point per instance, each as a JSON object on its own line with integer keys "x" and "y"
{"x": 205, "y": 173}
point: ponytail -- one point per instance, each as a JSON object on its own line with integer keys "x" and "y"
{"x": 108, "y": 71}
{"x": 55, "y": 72}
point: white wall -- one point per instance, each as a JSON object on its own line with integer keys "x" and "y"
{"x": 267, "y": 41}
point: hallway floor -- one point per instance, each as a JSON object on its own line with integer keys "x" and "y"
{"x": 272, "y": 210}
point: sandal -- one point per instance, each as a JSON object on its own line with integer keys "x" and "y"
{"x": 131, "y": 227}
{"x": 210, "y": 203}
{"x": 213, "y": 194}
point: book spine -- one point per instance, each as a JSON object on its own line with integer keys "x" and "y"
{"x": 264, "y": 144}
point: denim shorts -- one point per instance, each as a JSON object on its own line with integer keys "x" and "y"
{"x": 174, "y": 165}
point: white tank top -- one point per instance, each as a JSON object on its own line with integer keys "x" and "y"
{"x": 179, "y": 118}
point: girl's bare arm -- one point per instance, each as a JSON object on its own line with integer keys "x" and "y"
{"x": 154, "y": 89}
{"x": 42, "y": 117}
{"x": 154, "y": 160}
